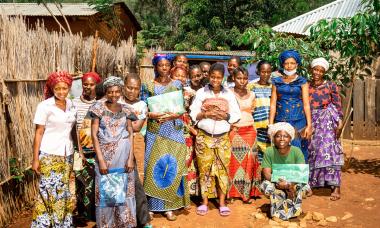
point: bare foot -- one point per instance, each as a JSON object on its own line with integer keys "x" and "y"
{"x": 335, "y": 194}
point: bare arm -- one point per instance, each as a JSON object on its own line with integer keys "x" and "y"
{"x": 306, "y": 107}
{"x": 273, "y": 102}
{"x": 137, "y": 125}
{"x": 95, "y": 141}
{"x": 130, "y": 163}
{"x": 267, "y": 173}
{"x": 39, "y": 132}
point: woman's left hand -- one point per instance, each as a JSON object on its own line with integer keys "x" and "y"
{"x": 169, "y": 116}
{"x": 307, "y": 132}
{"x": 130, "y": 165}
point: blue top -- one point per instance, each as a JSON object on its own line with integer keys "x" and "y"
{"x": 289, "y": 99}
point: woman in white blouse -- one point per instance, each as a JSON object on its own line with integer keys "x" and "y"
{"x": 52, "y": 153}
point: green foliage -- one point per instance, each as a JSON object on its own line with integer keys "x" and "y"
{"x": 268, "y": 45}
{"x": 15, "y": 171}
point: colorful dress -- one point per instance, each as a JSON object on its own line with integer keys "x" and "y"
{"x": 115, "y": 147}
{"x": 325, "y": 151}
{"x": 261, "y": 115}
{"x": 289, "y": 108}
{"x": 281, "y": 206}
{"x": 54, "y": 205}
{"x": 244, "y": 166}
{"x": 85, "y": 178}
{"x": 165, "y": 155}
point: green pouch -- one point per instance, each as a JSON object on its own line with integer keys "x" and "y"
{"x": 295, "y": 173}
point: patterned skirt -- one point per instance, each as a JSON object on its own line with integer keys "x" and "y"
{"x": 213, "y": 158}
{"x": 280, "y": 206}
{"x": 244, "y": 169}
{"x": 326, "y": 153}
{"x": 85, "y": 188}
{"x": 192, "y": 168}
{"x": 54, "y": 205}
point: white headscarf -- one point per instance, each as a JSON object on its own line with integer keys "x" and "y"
{"x": 281, "y": 126}
{"x": 320, "y": 62}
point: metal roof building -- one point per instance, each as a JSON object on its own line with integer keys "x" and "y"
{"x": 337, "y": 9}
{"x": 33, "y": 9}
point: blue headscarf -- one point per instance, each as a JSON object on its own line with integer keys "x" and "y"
{"x": 290, "y": 54}
{"x": 158, "y": 57}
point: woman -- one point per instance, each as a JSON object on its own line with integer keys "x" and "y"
{"x": 262, "y": 90}
{"x": 165, "y": 151}
{"x": 53, "y": 153}
{"x": 244, "y": 163}
{"x": 290, "y": 99}
{"x": 112, "y": 136}
{"x": 233, "y": 63}
{"x": 195, "y": 75}
{"x": 325, "y": 151}
{"x": 84, "y": 178}
{"x": 214, "y": 109}
{"x": 285, "y": 197}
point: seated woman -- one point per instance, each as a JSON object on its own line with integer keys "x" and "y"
{"x": 285, "y": 197}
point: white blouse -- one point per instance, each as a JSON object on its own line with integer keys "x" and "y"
{"x": 56, "y": 139}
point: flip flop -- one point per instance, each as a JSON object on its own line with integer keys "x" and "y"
{"x": 224, "y": 211}
{"x": 202, "y": 210}
{"x": 334, "y": 196}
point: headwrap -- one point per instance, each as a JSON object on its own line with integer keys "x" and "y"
{"x": 284, "y": 126}
{"x": 290, "y": 54}
{"x": 53, "y": 79}
{"x": 112, "y": 81}
{"x": 158, "y": 57}
{"x": 93, "y": 75}
{"x": 320, "y": 62}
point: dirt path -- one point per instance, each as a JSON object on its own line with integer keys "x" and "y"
{"x": 360, "y": 198}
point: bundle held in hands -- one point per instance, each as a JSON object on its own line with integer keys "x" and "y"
{"x": 167, "y": 102}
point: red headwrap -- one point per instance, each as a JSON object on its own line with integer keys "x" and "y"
{"x": 93, "y": 75}
{"x": 53, "y": 79}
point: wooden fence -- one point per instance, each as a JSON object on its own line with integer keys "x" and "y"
{"x": 364, "y": 123}
{"x": 26, "y": 58}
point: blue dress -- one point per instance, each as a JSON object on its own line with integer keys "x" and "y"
{"x": 289, "y": 108}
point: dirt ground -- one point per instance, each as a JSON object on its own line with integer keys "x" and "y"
{"x": 360, "y": 198}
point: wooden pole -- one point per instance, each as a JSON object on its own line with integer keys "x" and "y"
{"x": 94, "y": 51}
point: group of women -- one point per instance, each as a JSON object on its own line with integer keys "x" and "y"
{"x": 224, "y": 145}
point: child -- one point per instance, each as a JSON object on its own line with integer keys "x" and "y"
{"x": 244, "y": 163}
{"x": 132, "y": 85}
{"x": 233, "y": 63}
{"x": 205, "y": 68}
{"x": 195, "y": 75}
{"x": 213, "y": 151}
{"x": 181, "y": 60}
{"x": 262, "y": 90}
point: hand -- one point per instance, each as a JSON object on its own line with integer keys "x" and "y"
{"x": 103, "y": 167}
{"x": 339, "y": 129}
{"x": 155, "y": 115}
{"x": 282, "y": 184}
{"x": 307, "y": 132}
{"x": 84, "y": 160}
{"x": 216, "y": 115}
{"x": 36, "y": 166}
{"x": 291, "y": 191}
{"x": 168, "y": 116}
{"x": 130, "y": 165}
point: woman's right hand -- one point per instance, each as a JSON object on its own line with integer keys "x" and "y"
{"x": 103, "y": 167}
{"x": 36, "y": 166}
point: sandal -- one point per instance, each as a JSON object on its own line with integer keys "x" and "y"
{"x": 224, "y": 211}
{"x": 151, "y": 215}
{"x": 202, "y": 210}
{"x": 170, "y": 216}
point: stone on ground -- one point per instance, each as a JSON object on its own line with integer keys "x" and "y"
{"x": 322, "y": 223}
{"x": 331, "y": 219}
{"x": 318, "y": 216}
{"x": 347, "y": 216}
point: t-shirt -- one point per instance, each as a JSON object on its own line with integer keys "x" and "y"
{"x": 272, "y": 156}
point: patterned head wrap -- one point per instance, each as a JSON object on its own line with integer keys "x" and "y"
{"x": 290, "y": 54}
{"x": 93, "y": 75}
{"x": 158, "y": 57}
{"x": 112, "y": 81}
{"x": 281, "y": 126}
{"x": 320, "y": 62}
{"x": 53, "y": 79}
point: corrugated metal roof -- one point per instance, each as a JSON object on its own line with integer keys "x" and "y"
{"x": 33, "y": 9}
{"x": 336, "y": 9}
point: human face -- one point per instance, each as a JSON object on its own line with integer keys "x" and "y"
{"x": 113, "y": 94}
{"x": 232, "y": 65}
{"x": 318, "y": 73}
{"x": 216, "y": 79}
{"x": 290, "y": 64}
{"x": 61, "y": 90}
{"x": 163, "y": 67}
{"x": 88, "y": 87}
{"x": 241, "y": 81}
{"x": 205, "y": 71}
{"x": 132, "y": 89}
{"x": 264, "y": 72}
{"x": 181, "y": 61}
{"x": 180, "y": 75}
{"x": 195, "y": 76}
{"x": 282, "y": 139}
